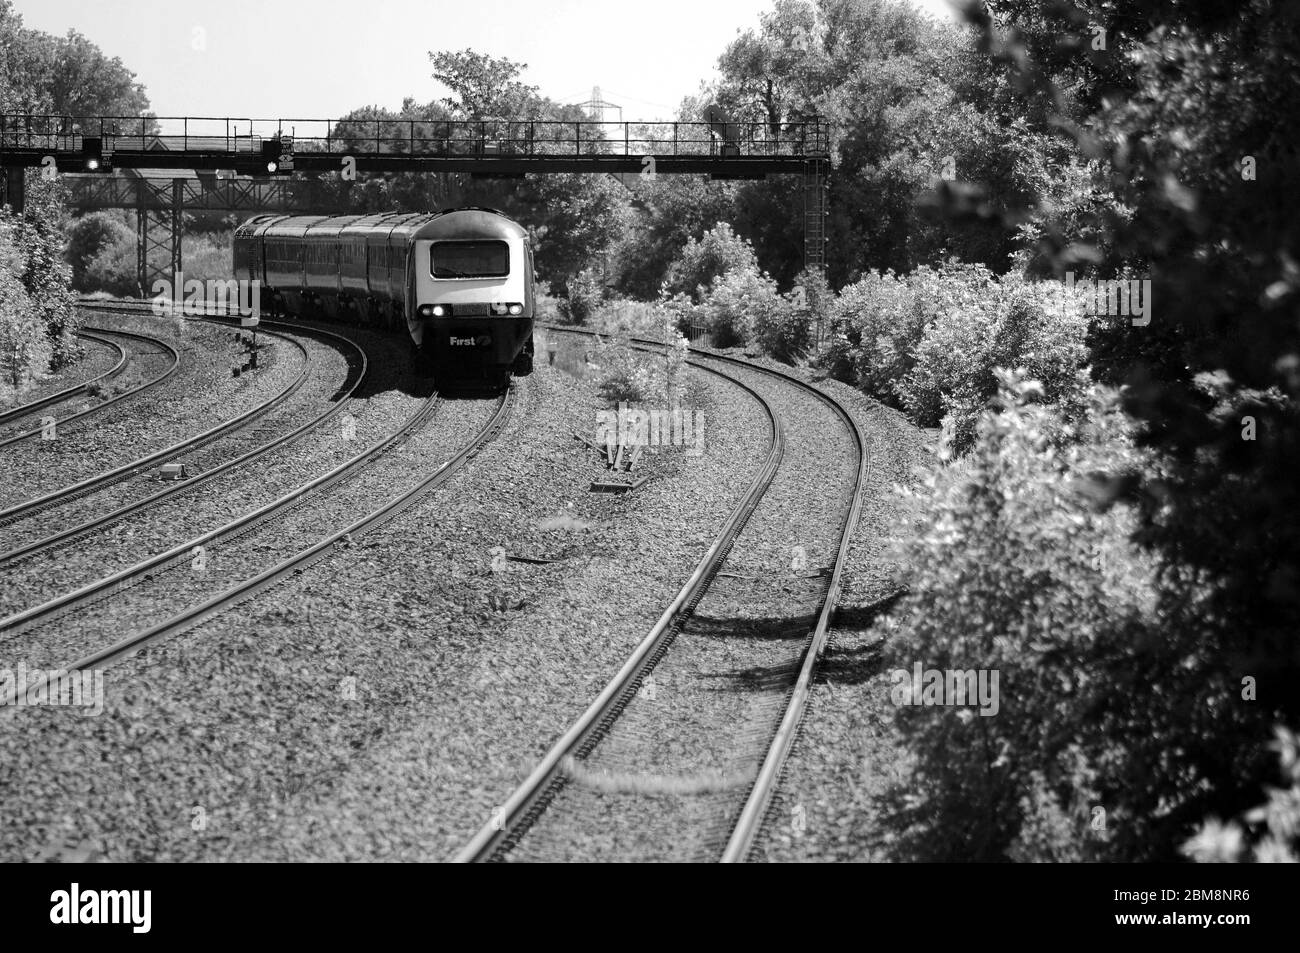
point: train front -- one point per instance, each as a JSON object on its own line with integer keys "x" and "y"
{"x": 470, "y": 297}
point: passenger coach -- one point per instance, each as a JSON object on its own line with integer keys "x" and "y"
{"x": 460, "y": 281}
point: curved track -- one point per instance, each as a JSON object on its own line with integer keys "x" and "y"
{"x": 7, "y": 417}
{"x": 99, "y": 522}
{"x": 145, "y": 385}
{"x": 528, "y": 803}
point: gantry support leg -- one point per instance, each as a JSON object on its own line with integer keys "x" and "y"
{"x": 158, "y": 244}
{"x": 15, "y": 193}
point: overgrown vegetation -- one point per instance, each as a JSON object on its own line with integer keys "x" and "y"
{"x": 930, "y": 342}
{"x": 37, "y": 321}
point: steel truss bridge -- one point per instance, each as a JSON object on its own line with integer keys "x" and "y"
{"x": 124, "y": 162}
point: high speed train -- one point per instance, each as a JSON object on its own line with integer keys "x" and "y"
{"x": 460, "y": 281}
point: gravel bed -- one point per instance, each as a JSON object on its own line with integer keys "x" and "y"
{"x": 669, "y": 779}
{"x": 95, "y": 358}
{"x": 316, "y": 515}
{"x": 846, "y": 753}
{"x": 200, "y": 395}
{"x": 80, "y": 560}
{"x": 380, "y": 705}
{"x": 145, "y": 362}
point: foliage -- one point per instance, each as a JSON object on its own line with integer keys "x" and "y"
{"x": 717, "y": 253}
{"x": 1179, "y": 117}
{"x": 207, "y": 255}
{"x": 623, "y": 316}
{"x": 91, "y": 236}
{"x": 46, "y": 276}
{"x": 584, "y": 297}
{"x": 69, "y": 76}
{"x": 930, "y": 343}
{"x": 665, "y": 213}
{"x": 1278, "y": 821}
{"x": 734, "y": 303}
{"x": 25, "y": 349}
{"x": 641, "y": 377}
{"x": 483, "y": 87}
{"x": 1011, "y": 569}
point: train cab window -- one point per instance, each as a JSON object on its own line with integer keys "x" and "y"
{"x": 474, "y": 259}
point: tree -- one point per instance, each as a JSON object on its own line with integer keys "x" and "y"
{"x": 483, "y": 87}
{"x": 67, "y": 76}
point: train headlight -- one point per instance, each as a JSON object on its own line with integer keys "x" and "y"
{"x": 432, "y": 310}
{"x": 439, "y": 311}
{"x": 516, "y": 309}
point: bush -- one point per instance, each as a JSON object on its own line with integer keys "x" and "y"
{"x": 1277, "y": 823}
{"x": 112, "y": 270}
{"x": 929, "y": 343}
{"x": 719, "y": 252}
{"x": 638, "y": 377}
{"x": 735, "y": 302}
{"x": 207, "y": 256}
{"x": 25, "y": 348}
{"x": 36, "y": 242}
{"x": 91, "y": 236}
{"x": 1013, "y": 570}
{"x": 584, "y": 297}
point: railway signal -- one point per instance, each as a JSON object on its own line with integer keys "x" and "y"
{"x": 92, "y": 154}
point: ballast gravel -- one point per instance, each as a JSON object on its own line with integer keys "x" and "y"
{"x": 195, "y": 507}
{"x": 383, "y": 703}
{"x": 201, "y": 394}
{"x": 93, "y": 359}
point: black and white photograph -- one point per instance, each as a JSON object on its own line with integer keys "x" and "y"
{"x": 559, "y": 431}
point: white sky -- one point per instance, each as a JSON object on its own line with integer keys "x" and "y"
{"x": 320, "y": 58}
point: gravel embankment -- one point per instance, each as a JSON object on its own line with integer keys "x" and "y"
{"x": 195, "y": 507}
{"x": 668, "y": 781}
{"x": 200, "y": 395}
{"x": 381, "y": 705}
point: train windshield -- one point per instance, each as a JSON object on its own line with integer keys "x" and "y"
{"x": 484, "y": 259}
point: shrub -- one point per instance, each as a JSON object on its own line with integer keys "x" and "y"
{"x": 643, "y": 319}
{"x": 91, "y": 236}
{"x": 719, "y": 252}
{"x": 636, "y": 377}
{"x": 25, "y": 348}
{"x": 38, "y": 237}
{"x": 207, "y": 255}
{"x": 1277, "y": 823}
{"x": 735, "y": 302}
{"x": 1013, "y": 570}
{"x": 929, "y": 343}
{"x": 112, "y": 270}
{"x": 584, "y": 297}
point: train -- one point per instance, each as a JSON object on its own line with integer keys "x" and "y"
{"x": 460, "y": 282}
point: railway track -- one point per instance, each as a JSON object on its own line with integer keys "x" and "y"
{"x": 27, "y": 627}
{"x": 136, "y": 467}
{"x": 359, "y": 364}
{"x": 304, "y": 558}
{"x": 565, "y": 784}
{"x": 31, "y": 408}
{"x": 140, "y": 342}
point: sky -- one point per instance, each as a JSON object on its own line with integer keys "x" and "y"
{"x": 320, "y": 58}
